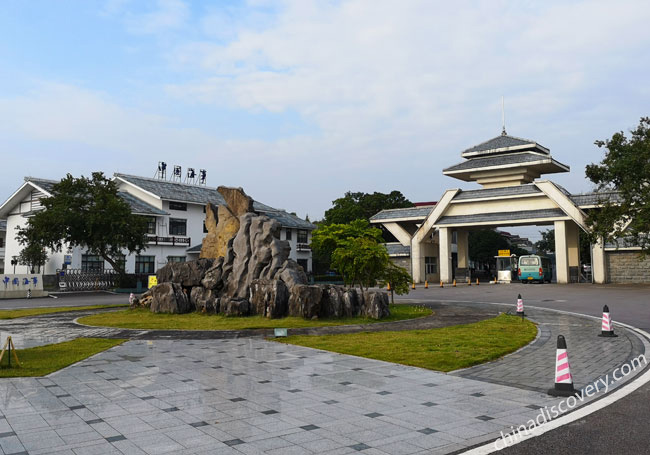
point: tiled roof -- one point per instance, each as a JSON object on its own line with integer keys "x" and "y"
{"x": 3, "y": 225}
{"x": 500, "y": 160}
{"x": 43, "y": 183}
{"x": 195, "y": 248}
{"x": 288, "y": 219}
{"x": 595, "y": 198}
{"x": 397, "y": 249}
{"x": 409, "y": 212}
{"x": 140, "y": 207}
{"x": 497, "y": 192}
{"x": 499, "y": 142}
{"x": 502, "y": 216}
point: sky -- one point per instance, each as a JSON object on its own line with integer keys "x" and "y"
{"x": 299, "y": 101}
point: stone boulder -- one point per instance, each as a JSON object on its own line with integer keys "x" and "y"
{"x": 213, "y": 278}
{"x": 269, "y": 298}
{"x": 304, "y": 301}
{"x": 170, "y": 298}
{"x": 331, "y": 304}
{"x": 375, "y": 304}
{"x": 350, "y": 304}
{"x": 187, "y": 274}
{"x": 204, "y": 300}
{"x": 235, "y": 307}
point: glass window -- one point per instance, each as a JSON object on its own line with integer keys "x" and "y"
{"x": 288, "y": 234}
{"x": 175, "y": 258}
{"x": 151, "y": 225}
{"x": 430, "y": 264}
{"x": 302, "y": 236}
{"x": 178, "y": 206}
{"x": 177, "y": 226}
{"x": 92, "y": 263}
{"x": 145, "y": 264}
{"x": 528, "y": 261}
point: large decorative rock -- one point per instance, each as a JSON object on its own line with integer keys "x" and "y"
{"x": 291, "y": 273}
{"x": 237, "y": 200}
{"x": 235, "y": 307}
{"x": 187, "y": 274}
{"x": 331, "y": 304}
{"x": 375, "y": 305}
{"x": 350, "y": 305}
{"x": 204, "y": 300}
{"x": 170, "y": 298}
{"x": 269, "y": 298}
{"x": 213, "y": 278}
{"x": 304, "y": 301}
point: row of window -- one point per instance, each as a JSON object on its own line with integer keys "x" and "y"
{"x": 430, "y": 264}
{"x": 177, "y": 226}
{"x": 143, "y": 264}
{"x": 303, "y": 235}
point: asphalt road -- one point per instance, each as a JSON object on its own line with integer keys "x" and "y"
{"x": 619, "y": 428}
{"x": 67, "y": 299}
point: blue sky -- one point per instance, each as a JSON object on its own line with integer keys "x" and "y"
{"x": 300, "y": 101}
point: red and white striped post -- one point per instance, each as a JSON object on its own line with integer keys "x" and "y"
{"x": 608, "y": 328}
{"x": 563, "y": 379}
{"x": 520, "y": 306}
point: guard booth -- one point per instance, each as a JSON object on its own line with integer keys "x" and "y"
{"x": 506, "y": 266}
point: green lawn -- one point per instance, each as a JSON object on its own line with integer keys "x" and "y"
{"x": 43, "y": 360}
{"x": 24, "y": 312}
{"x": 144, "y": 319}
{"x": 444, "y": 349}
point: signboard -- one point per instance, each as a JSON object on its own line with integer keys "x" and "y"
{"x": 153, "y": 281}
{"x": 504, "y": 252}
{"x": 67, "y": 259}
{"x": 280, "y": 332}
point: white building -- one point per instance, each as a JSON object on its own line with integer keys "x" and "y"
{"x": 3, "y": 237}
{"x": 176, "y": 213}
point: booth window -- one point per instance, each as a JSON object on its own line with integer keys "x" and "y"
{"x": 430, "y": 265}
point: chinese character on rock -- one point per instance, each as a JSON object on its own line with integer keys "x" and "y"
{"x": 25, "y": 281}
{"x": 6, "y": 281}
{"x": 35, "y": 280}
{"x": 15, "y": 281}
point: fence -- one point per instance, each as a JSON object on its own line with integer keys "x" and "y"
{"x": 86, "y": 280}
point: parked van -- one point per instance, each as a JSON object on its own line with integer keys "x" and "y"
{"x": 534, "y": 268}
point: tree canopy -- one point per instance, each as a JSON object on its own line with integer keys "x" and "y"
{"x": 89, "y": 213}
{"x": 355, "y": 206}
{"x": 625, "y": 169}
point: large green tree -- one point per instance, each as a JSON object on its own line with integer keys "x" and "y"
{"x": 484, "y": 244}
{"x": 354, "y": 206}
{"x": 398, "y": 278}
{"x": 547, "y": 244}
{"x": 626, "y": 170}
{"x": 88, "y": 213}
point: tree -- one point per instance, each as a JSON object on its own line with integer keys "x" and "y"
{"x": 398, "y": 278}
{"x": 89, "y": 213}
{"x": 547, "y": 244}
{"x": 355, "y": 206}
{"x": 33, "y": 256}
{"x": 484, "y": 244}
{"x": 625, "y": 169}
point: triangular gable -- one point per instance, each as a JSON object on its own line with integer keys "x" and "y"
{"x": 434, "y": 216}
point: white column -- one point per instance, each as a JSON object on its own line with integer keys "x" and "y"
{"x": 462, "y": 242}
{"x": 445, "y": 255}
{"x": 598, "y": 267}
{"x": 561, "y": 253}
{"x": 416, "y": 261}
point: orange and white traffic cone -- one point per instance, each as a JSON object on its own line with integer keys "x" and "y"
{"x": 520, "y": 306}
{"x": 477, "y": 281}
{"x": 426, "y": 284}
{"x": 469, "y": 281}
{"x": 454, "y": 285}
{"x": 388, "y": 286}
{"x": 608, "y": 328}
{"x": 441, "y": 285}
{"x": 563, "y": 379}
{"x": 413, "y": 285}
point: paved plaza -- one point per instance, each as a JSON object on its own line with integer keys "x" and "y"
{"x": 164, "y": 392}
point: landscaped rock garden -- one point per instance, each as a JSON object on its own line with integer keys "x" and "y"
{"x": 244, "y": 269}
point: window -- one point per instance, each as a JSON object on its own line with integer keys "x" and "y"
{"x": 151, "y": 225}
{"x": 430, "y": 265}
{"x": 144, "y": 264}
{"x": 121, "y": 260}
{"x": 288, "y": 234}
{"x": 303, "y": 263}
{"x": 528, "y": 261}
{"x": 454, "y": 237}
{"x": 302, "y": 236}
{"x": 92, "y": 263}
{"x": 178, "y": 206}
{"x": 177, "y": 226}
{"x": 175, "y": 258}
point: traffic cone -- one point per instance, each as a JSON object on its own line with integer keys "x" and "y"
{"x": 131, "y": 298}
{"x": 426, "y": 284}
{"x": 469, "y": 281}
{"x": 441, "y": 285}
{"x": 454, "y": 282}
{"x": 413, "y": 285}
{"x": 563, "y": 379}
{"x": 477, "y": 281}
{"x": 608, "y": 329}
{"x": 388, "y": 286}
{"x": 520, "y": 306}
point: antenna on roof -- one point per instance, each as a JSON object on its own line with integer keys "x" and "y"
{"x": 161, "y": 172}
{"x": 503, "y": 118}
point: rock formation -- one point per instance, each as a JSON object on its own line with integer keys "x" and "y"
{"x": 247, "y": 271}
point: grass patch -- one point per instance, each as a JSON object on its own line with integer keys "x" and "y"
{"x": 43, "y": 360}
{"x": 24, "y": 312}
{"x": 145, "y": 319}
{"x": 443, "y": 349}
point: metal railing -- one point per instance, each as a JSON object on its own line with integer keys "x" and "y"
{"x": 173, "y": 240}
{"x": 86, "y": 280}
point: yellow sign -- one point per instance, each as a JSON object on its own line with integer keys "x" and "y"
{"x": 153, "y": 281}
{"x": 504, "y": 252}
